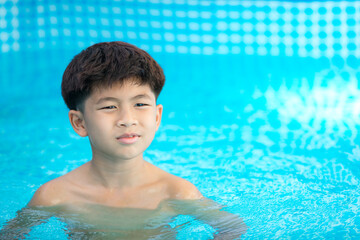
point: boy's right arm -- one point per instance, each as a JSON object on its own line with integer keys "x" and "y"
{"x": 20, "y": 226}
{"x": 32, "y": 215}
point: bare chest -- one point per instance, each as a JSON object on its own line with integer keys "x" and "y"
{"x": 145, "y": 197}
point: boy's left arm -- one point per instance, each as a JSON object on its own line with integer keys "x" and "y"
{"x": 227, "y": 225}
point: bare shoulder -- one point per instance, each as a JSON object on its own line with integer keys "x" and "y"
{"x": 179, "y": 188}
{"x": 49, "y": 194}
{"x": 183, "y": 189}
{"x": 58, "y": 190}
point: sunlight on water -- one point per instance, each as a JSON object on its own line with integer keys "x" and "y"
{"x": 335, "y": 105}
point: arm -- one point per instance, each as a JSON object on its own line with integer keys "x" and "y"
{"x": 32, "y": 215}
{"x": 20, "y": 226}
{"x": 227, "y": 225}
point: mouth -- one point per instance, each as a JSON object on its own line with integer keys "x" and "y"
{"x": 128, "y": 138}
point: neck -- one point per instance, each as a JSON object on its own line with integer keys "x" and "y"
{"x": 117, "y": 174}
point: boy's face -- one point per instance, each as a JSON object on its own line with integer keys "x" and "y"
{"x": 120, "y": 121}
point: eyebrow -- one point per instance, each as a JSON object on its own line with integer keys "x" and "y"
{"x": 141, "y": 96}
{"x": 104, "y": 99}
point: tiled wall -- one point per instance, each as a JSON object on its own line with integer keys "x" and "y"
{"x": 305, "y": 29}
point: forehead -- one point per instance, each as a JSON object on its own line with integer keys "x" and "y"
{"x": 124, "y": 90}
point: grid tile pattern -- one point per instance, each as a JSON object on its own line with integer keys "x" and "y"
{"x": 305, "y": 29}
{"x": 9, "y": 26}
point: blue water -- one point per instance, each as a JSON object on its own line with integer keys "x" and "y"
{"x": 272, "y": 135}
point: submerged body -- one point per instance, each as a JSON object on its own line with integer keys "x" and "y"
{"x": 167, "y": 221}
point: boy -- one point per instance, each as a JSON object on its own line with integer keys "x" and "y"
{"x": 111, "y": 90}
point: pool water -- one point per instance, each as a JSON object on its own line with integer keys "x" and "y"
{"x": 273, "y": 137}
{"x": 283, "y": 158}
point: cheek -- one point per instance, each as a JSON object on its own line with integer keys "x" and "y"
{"x": 151, "y": 126}
{"x": 97, "y": 127}
{"x": 150, "y": 123}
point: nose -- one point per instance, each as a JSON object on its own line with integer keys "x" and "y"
{"x": 126, "y": 118}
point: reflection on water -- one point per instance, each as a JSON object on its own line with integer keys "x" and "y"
{"x": 102, "y": 222}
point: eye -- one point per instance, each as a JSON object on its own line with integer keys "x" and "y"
{"x": 109, "y": 107}
{"x": 141, "y": 104}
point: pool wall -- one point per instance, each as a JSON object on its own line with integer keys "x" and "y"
{"x": 280, "y": 40}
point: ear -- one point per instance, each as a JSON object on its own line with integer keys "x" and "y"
{"x": 77, "y": 122}
{"x": 159, "y": 111}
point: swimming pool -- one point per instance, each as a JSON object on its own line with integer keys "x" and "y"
{"x": 261, "y": 106}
